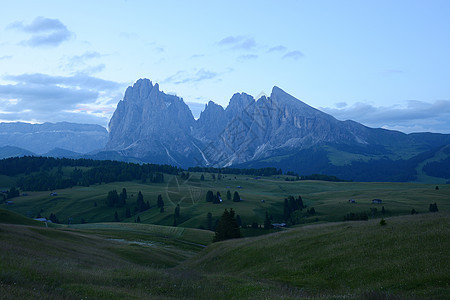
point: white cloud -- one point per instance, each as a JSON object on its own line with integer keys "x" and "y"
{"x": 293, "y": 55}
{"x": 40, "y": 97}
{"x": 189, "y": 77}
{"x": 238, "y": 42}
{"x": 44, "y": 32}
{"x": 412, "y": 117}
{"x": 279, "y": 48}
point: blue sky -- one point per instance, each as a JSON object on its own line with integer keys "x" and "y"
{"x": 381, "y": 63}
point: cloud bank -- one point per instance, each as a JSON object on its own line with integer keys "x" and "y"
{"x": 415, "y": 116}
{"x": 41, "y": 98}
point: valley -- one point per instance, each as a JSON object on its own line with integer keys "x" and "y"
{"x": 91, "y": 254}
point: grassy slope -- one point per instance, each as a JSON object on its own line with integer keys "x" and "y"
{"x": 9, "y": 217}
{"x": 48, "y": 263}
{"x": 409, "y": 257}
{"x": 329, "y": 199}
{"x": 406, "y": 258}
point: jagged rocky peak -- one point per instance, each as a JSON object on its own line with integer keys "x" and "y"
{"x": 148, "y": 122}
{"x": 140, "y": 90}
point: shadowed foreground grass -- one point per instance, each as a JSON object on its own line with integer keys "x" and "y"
{"x": 407, "y": 258}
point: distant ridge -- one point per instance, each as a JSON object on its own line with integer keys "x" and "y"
{"x": 42, "y": 138}
{"x": 11, "y": 151}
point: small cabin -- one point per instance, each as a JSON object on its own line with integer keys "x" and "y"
{"x": 351, "y": 201}
{"x": 377, "y": 201}
{"x": 53, "y": 194}
{"x": 279, "y": 225}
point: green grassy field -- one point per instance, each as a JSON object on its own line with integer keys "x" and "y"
{"x": 329, "y": 199}
{"x": 408, "y": 258}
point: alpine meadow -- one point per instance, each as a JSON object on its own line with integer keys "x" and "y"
{"x": 235, "y": 150}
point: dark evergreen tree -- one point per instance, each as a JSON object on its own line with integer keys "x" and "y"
{"x": 209, "y": 196}
{"x": 267, "y": 222}
{"x": 217, "y": 198}
{"x": 227, "y": 227}
{"x": 413, "y": 211}
{"x": 236, "y": 197}
{"x": 127, "y": 213}
{"x": 112, "y": 199}
{"x": 116, "y": 217}
{"x": 123, "y": 197}
{"x": 209, "y": 221}
{"x": 177, "y": 211}
{"x": 287, "y": 210}
{"x": 160, "y": 201}
{"x": 300, "y": 202}
{"x": 202, "y": 177}
{"x": 138, "y": 219}
{"x": 140, "y": 204}
{"x": 228, "y": 195}
{"x": 311, "y": 211}
{"x": 53, "y": 218}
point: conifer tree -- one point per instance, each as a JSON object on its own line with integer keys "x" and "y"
{"x": 267, "y": 222}
{"x": 236, "y": 197}
{"x": 227, "y": 227}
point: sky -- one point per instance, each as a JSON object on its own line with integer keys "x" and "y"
{"x": 381, "y": 63}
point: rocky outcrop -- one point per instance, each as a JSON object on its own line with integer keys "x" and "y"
{"x": 152, "y": 125}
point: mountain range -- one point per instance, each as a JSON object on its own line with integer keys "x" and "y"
{"x": 42, "y": 138}
{"x": 276, "y": 131}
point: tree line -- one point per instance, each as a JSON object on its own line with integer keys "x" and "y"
{"x": 269, "y": 171}
{"x": 46, "y": 173}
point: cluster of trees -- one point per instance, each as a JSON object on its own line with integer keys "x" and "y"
{"x": 115, "y": 200}
{"x": 184, "y": 175}
{"x": 45, "y": 173}
{"x": 13, "y": 192}
{"x": 321, "y": 177}
{"x": 227, "y": 227}
{"x": 253, "y": 172}
{"x": 210, "y": 197}
{"x": 433, "y": 208}
{"x": 292, "y": 205}
{"x": 217, "y": 198}
{"x": 361, "y": 216}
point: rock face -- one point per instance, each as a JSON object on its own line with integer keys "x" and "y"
{"x": 41, "y": 138}
{"x": 153, "y": 126}
{"x": 159, "y": 128}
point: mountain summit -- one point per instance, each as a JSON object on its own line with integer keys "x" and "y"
{"x": 277, "y": 131}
